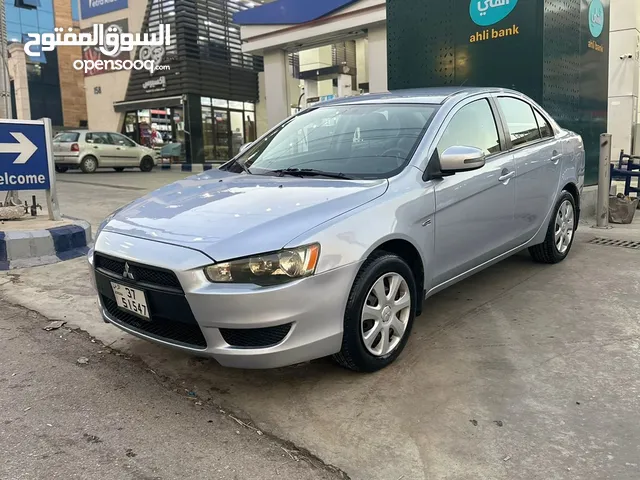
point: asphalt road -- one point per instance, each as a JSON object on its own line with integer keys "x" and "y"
{"x": 113, "y": 418}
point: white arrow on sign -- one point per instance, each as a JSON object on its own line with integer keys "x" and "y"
{"x": 24, "y": 147}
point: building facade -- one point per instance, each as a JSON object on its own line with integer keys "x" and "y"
{"x": 579, "y": 58}
{"x": 204, "y": 95}
{"x": 46, "y": 85}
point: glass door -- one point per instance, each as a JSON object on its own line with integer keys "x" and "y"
{"x": 207, "y": 134}
{"x": 221, "y": 134}
{"x": 237, "y": 133}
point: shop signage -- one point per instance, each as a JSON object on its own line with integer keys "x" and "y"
{"x": 92, "y": 8}
{"x": 490, "y": 12}
{"x": 596, "y": 25}
{"x": 596, "y": 18}
{"x": 156, "y": 85}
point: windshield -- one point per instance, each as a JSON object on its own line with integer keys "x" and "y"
{"x": 357, "y": 141}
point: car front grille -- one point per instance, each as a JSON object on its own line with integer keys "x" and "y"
{"x": 255, "y": 337}
{"x": 143, "y": 274}
{"x": 160, "y": 327}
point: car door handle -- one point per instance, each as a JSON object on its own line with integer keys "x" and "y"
{"x": 506, "y": 176}
{"x": 555, "y": 157}
{"x": 95, "y": 148}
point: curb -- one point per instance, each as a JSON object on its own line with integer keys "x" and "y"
{"x": 32, "y": 248}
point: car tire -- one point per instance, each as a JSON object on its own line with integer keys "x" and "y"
{"x": 61, "y": 169}
{"x": 560, "y": 234}
{"x": 363, "y": 349}
{"x": 119, "y": 169}
{"x": 146, "y": 165}
{"x": 89, "y": 164}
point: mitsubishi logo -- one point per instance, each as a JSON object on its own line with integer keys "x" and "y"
{"x": 127, "y": 273}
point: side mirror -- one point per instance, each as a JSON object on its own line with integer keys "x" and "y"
{"x": 461, "y": 159}
{"x": 244, "y": 146}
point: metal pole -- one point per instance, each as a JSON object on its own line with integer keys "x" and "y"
{"x": 52, "y": 194}
{"x": 604, "y": 181}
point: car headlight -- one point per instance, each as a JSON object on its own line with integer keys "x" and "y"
{"x": 269, "y": 268}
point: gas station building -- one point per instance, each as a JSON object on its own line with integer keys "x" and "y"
{"x": 578, "y": 58}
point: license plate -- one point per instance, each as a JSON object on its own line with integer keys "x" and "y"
{"x": 131, "y": 299}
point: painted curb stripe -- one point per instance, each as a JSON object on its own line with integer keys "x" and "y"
{"x": 3, "y": 249}
{"x": 67, "y": 238}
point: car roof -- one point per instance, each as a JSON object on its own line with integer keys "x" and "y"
{"x": 433, "y": 96}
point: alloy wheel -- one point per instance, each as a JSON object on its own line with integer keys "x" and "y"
{"x": 564, "y": 228}
{"x": 385, "y": 314}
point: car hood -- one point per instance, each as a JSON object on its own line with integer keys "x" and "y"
{"x": 227, "y": 215}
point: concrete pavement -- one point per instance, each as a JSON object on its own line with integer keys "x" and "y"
{"x": 523, "y": 371}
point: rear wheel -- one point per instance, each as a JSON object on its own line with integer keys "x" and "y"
{"x": 560, "y": 234}
{"x": 89, "y": 164}
{"x": 379, "y": 314}
{"x": 119, "y": 169}
{"x": 146, "y": 165}
{"x": 61, "y": 169}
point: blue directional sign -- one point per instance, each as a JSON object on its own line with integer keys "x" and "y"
{"x": 24, "y": 159}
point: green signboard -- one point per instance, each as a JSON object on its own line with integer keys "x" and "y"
{"x": 555, "y": 51}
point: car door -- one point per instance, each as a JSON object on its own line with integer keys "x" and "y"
{"x": 537, "y": 156}
{"x": 102, "y": 147}
{"x": 127, "y": 152}
{"x": 474, "y": 210}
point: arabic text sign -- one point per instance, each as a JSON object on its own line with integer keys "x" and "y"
{"x": 24, "y": 160}
{"x": 596, "y": 18}
{"x": 489, "y": 12}
{"x": 91, "y": 8}
{"x": 111, "y": 41}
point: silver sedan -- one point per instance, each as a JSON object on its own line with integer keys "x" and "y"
{"x": 325, "y": 235}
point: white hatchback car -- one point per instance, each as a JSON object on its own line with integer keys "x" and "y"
{"x": 89, "y": 150}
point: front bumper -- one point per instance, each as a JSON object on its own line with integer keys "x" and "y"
{"x": 308, "y": 314}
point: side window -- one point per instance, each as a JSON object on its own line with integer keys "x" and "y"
{"x": 473, "y": 126}
{"x": 99, "y": 138}
{"x": 121, "y": 140}
{"x": 545, "y": 129}
{"x": 521, "y": 122}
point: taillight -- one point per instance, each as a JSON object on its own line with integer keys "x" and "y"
{"x": 75, "y": 147}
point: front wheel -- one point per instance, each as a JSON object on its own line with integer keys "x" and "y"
{"x": 560, "y": 234}
{"x": 146, "y": 165}
{"x": 379, "y": 314}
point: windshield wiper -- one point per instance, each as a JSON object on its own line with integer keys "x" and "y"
{"x": 310, "y": 172}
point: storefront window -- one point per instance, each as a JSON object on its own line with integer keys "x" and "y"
{"x": 237, "y": 132}
{"x": 249, "y": 127}
{"x": 236, "y": 105}
{"x": 207, "y": 132}
{"x": 220, "y": 103}
{"x": 221, "y": 126}
{"x": 249, "y": 107}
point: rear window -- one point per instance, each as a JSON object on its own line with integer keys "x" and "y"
{"x": 67, "y": 137}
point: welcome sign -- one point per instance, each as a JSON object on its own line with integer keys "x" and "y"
{"x": 93, "y": 8}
